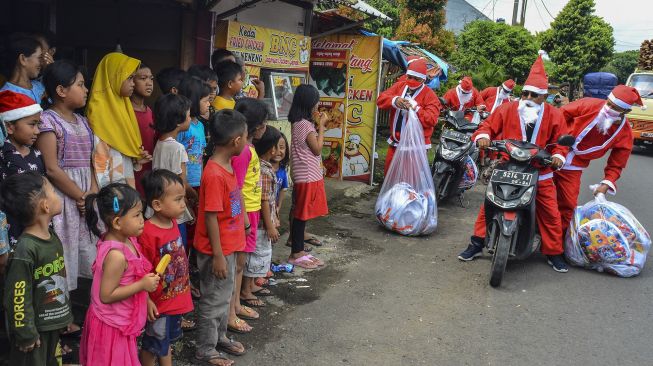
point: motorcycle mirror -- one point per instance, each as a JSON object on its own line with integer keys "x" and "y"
{"x": 566, "y": 140}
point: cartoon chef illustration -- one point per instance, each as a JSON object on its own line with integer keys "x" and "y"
{"x": 354, "y": 162}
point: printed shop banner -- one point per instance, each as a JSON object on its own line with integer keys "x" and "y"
{"x": 264, "y": 47}
{"x": 346, "y": 70}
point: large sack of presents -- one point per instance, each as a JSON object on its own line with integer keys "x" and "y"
{"x": 606, "y": 236}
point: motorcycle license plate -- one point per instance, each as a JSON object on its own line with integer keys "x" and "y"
{"x": 455, "y": 136}
{"x": 514, "y": 178}
{"x": 647, "y": 134}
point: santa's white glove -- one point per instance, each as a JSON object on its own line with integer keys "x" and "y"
{"x": 599, "y": 191}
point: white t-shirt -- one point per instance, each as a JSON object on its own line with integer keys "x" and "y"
{"x": 169, "y": 154}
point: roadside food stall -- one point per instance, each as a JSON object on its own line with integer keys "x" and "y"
{"x": 344, "y": 67}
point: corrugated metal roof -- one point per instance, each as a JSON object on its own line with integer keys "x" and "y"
{"x": 359, "y": 5}
{"x": 459, "y": 13}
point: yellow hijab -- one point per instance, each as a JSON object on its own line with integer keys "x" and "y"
{"x": 112, "y": 116}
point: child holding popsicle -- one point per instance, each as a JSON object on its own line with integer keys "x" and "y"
{"x": 162, "y": 243}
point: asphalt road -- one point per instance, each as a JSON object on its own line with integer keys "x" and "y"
{"x": 390, "y": 300}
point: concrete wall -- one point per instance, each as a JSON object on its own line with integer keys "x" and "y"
{"x": 275, "y": 15}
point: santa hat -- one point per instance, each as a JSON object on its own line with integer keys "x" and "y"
{"x": 417, "y": 68}
{"x": 537, "y": 80}
{"x": 509, "y": 84}
{"x": 14, "y": 106}
{"x": 466, "y": 84}
{"x": 625, "y": 97}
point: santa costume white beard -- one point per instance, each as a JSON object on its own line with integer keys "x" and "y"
{"x": 529, "y": 111}
{"x": 607, "y": 117}
{"x": 462, "y": 97}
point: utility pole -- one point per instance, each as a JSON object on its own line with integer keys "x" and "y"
{"x": 523, "y": 12}
{"x": 515, "y": 10}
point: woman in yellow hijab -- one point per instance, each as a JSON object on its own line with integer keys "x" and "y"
{"x": 118, "y": 144}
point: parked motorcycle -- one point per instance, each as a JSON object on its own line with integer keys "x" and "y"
{"x": 452, "y": 159}
{"x": 510, "y": 203}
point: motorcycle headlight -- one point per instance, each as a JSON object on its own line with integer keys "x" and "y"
{"x": 448, "y": 154}
{"x": 501, "y": 203}
{"x": 526, "y": 197}
{"x": 520, "y": 154}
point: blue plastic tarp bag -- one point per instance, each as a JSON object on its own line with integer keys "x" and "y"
{"x": 406, "y": 203}
{"x": 606, "y": 236}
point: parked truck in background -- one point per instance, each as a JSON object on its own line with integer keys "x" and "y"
{"x": 641, "y": 120}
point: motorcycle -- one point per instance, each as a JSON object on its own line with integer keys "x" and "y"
{"x": 510, "y": 202}
{"x": 451, "y": 158}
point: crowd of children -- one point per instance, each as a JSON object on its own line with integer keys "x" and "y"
{"x": 96, "y": 184}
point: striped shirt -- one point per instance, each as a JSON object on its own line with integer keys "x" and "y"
{"x": 306, "y": 166}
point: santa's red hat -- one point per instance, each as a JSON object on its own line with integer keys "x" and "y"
{"x": 537, "y": 80}
{"x": 509, "y": 84}
{"x": 417, "y": 68}
{"x": 466, "y": 84}
{"x": 14, "y": 106}
{"x": 625, "y": 97}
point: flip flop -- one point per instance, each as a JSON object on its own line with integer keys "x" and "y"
{"x": 303, "y": 262}
{"x": 252, "y": 302}
{"x": 230, "y": 346}
{"x": 315, "y": 260}
{"x": 248, "y": 313}
{"x": 263, "y": 292}
{"x": 306, "y": 249}
{"x": 236, "y": 330}
{"x": 207, "y": 358}
{"x": 313, "y": 241}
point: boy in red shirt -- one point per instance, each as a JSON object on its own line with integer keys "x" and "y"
{"x": 166, "y": 195}
{"x": 219, "y": 233}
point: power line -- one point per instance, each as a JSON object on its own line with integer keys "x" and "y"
{"x": 540, "y": 14}
{"x": 547, "y": 10}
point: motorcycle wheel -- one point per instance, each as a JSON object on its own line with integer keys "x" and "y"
{"x": 499, "y": 259}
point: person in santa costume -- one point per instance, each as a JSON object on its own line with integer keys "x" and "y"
{"x": 410, "y": 93}
{"x": 464, "y": 96}
{"x": 496, "y": 96}
{"x": 433, "y": 72}
{"x": 529, "y": 119}
{"x": 599, "y": 126}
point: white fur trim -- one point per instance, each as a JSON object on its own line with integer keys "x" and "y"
{"x": 505, "y": 87}
{"x": 18, "y": 113}
{"x": 482, "y": 136}
{"x": 393, "y": 102}
{"x": 545, "y": 177}
{"x": 613, "y": 188}
{"x": 619, "y": 102}
{"x": 416, "y": 74}
{"x": 535, "y": 89}
{"x": 564, "y": 160}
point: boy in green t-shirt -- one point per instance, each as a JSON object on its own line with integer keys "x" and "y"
{"x": 36, "y": 296}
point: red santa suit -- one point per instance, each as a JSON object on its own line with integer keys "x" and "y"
{"x": 584, "y": 118}
{"x": 453, "y": 97}
{"x": 549, "y": 126}
{"x": 426, "y": 102}
{"x": 494, "y": 98}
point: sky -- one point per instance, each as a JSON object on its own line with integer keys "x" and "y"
{"x": 631, "y": 19}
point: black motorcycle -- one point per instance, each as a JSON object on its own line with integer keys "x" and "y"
{"x": 450, "y": 158}
{"x": 510, "y": 202}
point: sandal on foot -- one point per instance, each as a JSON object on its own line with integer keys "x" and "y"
{"x": 303, "y": 262}
{"x": 260, "y": 282}
{"x": 248, "y": 313}
{"x": 211, "y": 357}
{"x": 255, "y": 302}
{"x": 263, "y": 292}
{"x": 187, "y": 325}
{"x": 238, "y": 328}
{"x": 315, "y": 260}
{"x": 313, "y": 241}
{"x": 231, "y": 347}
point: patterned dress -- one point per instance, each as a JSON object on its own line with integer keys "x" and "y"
{"x": 74, "y": 149}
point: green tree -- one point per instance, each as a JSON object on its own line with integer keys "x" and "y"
{"x": 622, "y": 64}
{"x": 578, "y": 42}
{"x": 422, "y": 21}
{"x": 510, "y": 49}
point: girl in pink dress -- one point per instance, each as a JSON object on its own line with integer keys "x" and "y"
{"x": 121, "y": 279}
